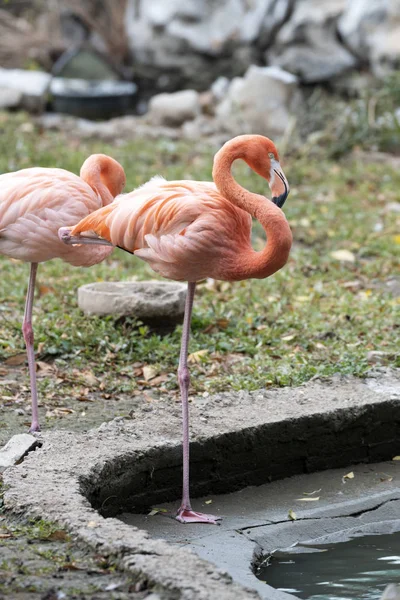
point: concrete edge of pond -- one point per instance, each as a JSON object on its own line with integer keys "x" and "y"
{"x": 361, "y": 417}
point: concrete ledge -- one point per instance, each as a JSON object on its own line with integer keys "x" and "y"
{"x": 239, "y": 439}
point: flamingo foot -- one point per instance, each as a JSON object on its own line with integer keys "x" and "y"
{"x": 34, "y": 427}
{"x": 187, "y": 515}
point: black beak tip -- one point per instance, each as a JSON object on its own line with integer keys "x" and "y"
{"x": 280, "y": 200}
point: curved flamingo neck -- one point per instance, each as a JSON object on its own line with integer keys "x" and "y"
{"x": 248, "y": 262}
{"x": 95, "y": 171}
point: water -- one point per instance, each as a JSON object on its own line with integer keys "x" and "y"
{"x": 355, "y": 570}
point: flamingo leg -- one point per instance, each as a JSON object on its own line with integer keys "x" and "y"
{"x": 28, "y": 337}
{"x": 185, "y": 513}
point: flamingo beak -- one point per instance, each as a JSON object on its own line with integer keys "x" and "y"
{"x": 278, "y": 184}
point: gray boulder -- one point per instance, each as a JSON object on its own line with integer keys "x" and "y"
{"x": 259, "y": 102}
{"x": 32, "y": 85}
{"x": 359, "y": 22}
{"x": 189, "y": 44}
{"x": 146, "y": 300}
{"x": 307, "y": 44}
{"x": 174, "y": 109}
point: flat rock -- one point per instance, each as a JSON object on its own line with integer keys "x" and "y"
{"x": 15, "y": 449}
{"x": 32, "y": 85}
{"x": 145, "y": 300}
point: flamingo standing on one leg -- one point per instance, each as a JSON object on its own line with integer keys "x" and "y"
{"x": 34, "y": 203}
{"x": 191, "y": 230}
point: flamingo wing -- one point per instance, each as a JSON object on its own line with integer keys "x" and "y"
{"x": 34, "y": 203}
{"x": 181, "y": 228}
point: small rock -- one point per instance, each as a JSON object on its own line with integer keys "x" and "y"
{"x": 9, "y": 98}
{"x": 377, "y": 357}
{"x": 174, "y": 109}
{"x": 145, "y": 300}
{"x": 219, "y": 88}
{"x": 19, "y": 411}
{"x": 32, "y": 85}
{"x": 392, "y": 592}
{"x": 15, "y": 449}
{"x": 393, "y": 207}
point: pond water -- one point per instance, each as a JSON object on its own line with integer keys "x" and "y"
{"x": 355, "y": 570}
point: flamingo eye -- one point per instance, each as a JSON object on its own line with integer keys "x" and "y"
{"x": 271, "y": 155}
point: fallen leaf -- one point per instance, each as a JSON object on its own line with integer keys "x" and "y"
{"x": 343, "y": 255}
{"x": 17, "y": 359}
{"x": 4, "y": 536}
{"x": 396, "y": 458}
{"x": 287, "y": 338}
{"x": 71, "y": 567}
{"x": 386, "y": 478}
{"x": 155, "y": 511}
{"x": 197, "y": 356}
{"x": 149, "y": 373}
{"x": 349, "y": 475}
{"x": 312, "y": 493}
{"x": 89, "y": 378}
{"x": 292, "y": 515}
{"x": 313, "y": 499}
{"x": 208, "y": 502}
{"x": 160, "y": 379}
{"x": 44, "y": 366}
{"x": 45, "y": 289}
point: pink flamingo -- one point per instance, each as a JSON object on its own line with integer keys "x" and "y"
{"x": 190, "y": 230}
{"x": 34, "y": 203}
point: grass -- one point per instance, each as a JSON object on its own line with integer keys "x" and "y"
{"x": 317, "y": 316}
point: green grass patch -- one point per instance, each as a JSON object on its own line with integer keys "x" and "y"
{"x": 317, "y": 316}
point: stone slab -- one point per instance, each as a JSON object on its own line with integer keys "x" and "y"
{"x": 15, "y": 449}
{"x": 238, "y": 439}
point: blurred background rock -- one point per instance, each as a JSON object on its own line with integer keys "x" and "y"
{"x": 282, "y": 68}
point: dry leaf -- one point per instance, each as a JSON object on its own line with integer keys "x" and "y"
{"x": 348, "y": 476}
{"x": 155, "y": 511}
{"x": 343, "y": 256}
{"x": 44, "y": 366}
{"x": 287, "y": 338}
{"x": 149, "y": 373}
{"x": 313, "y": 499}
{"x": 59, "y": 534}
{"x": 292, "y": 515}
{"x": 208, "y": 502}
{"x": 4, "y": 536}
{"x": 160, "y": 379}
{"x": 89, "y": 378}
{"x": 197, "y": 356}
{"x": 17, "y": 359}
{"x": 396, "y": 458}
{"x": 45, "y": 289}
{"x": 386, "y": 478}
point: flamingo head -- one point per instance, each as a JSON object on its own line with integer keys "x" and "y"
{"x": 262, "y": 156}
